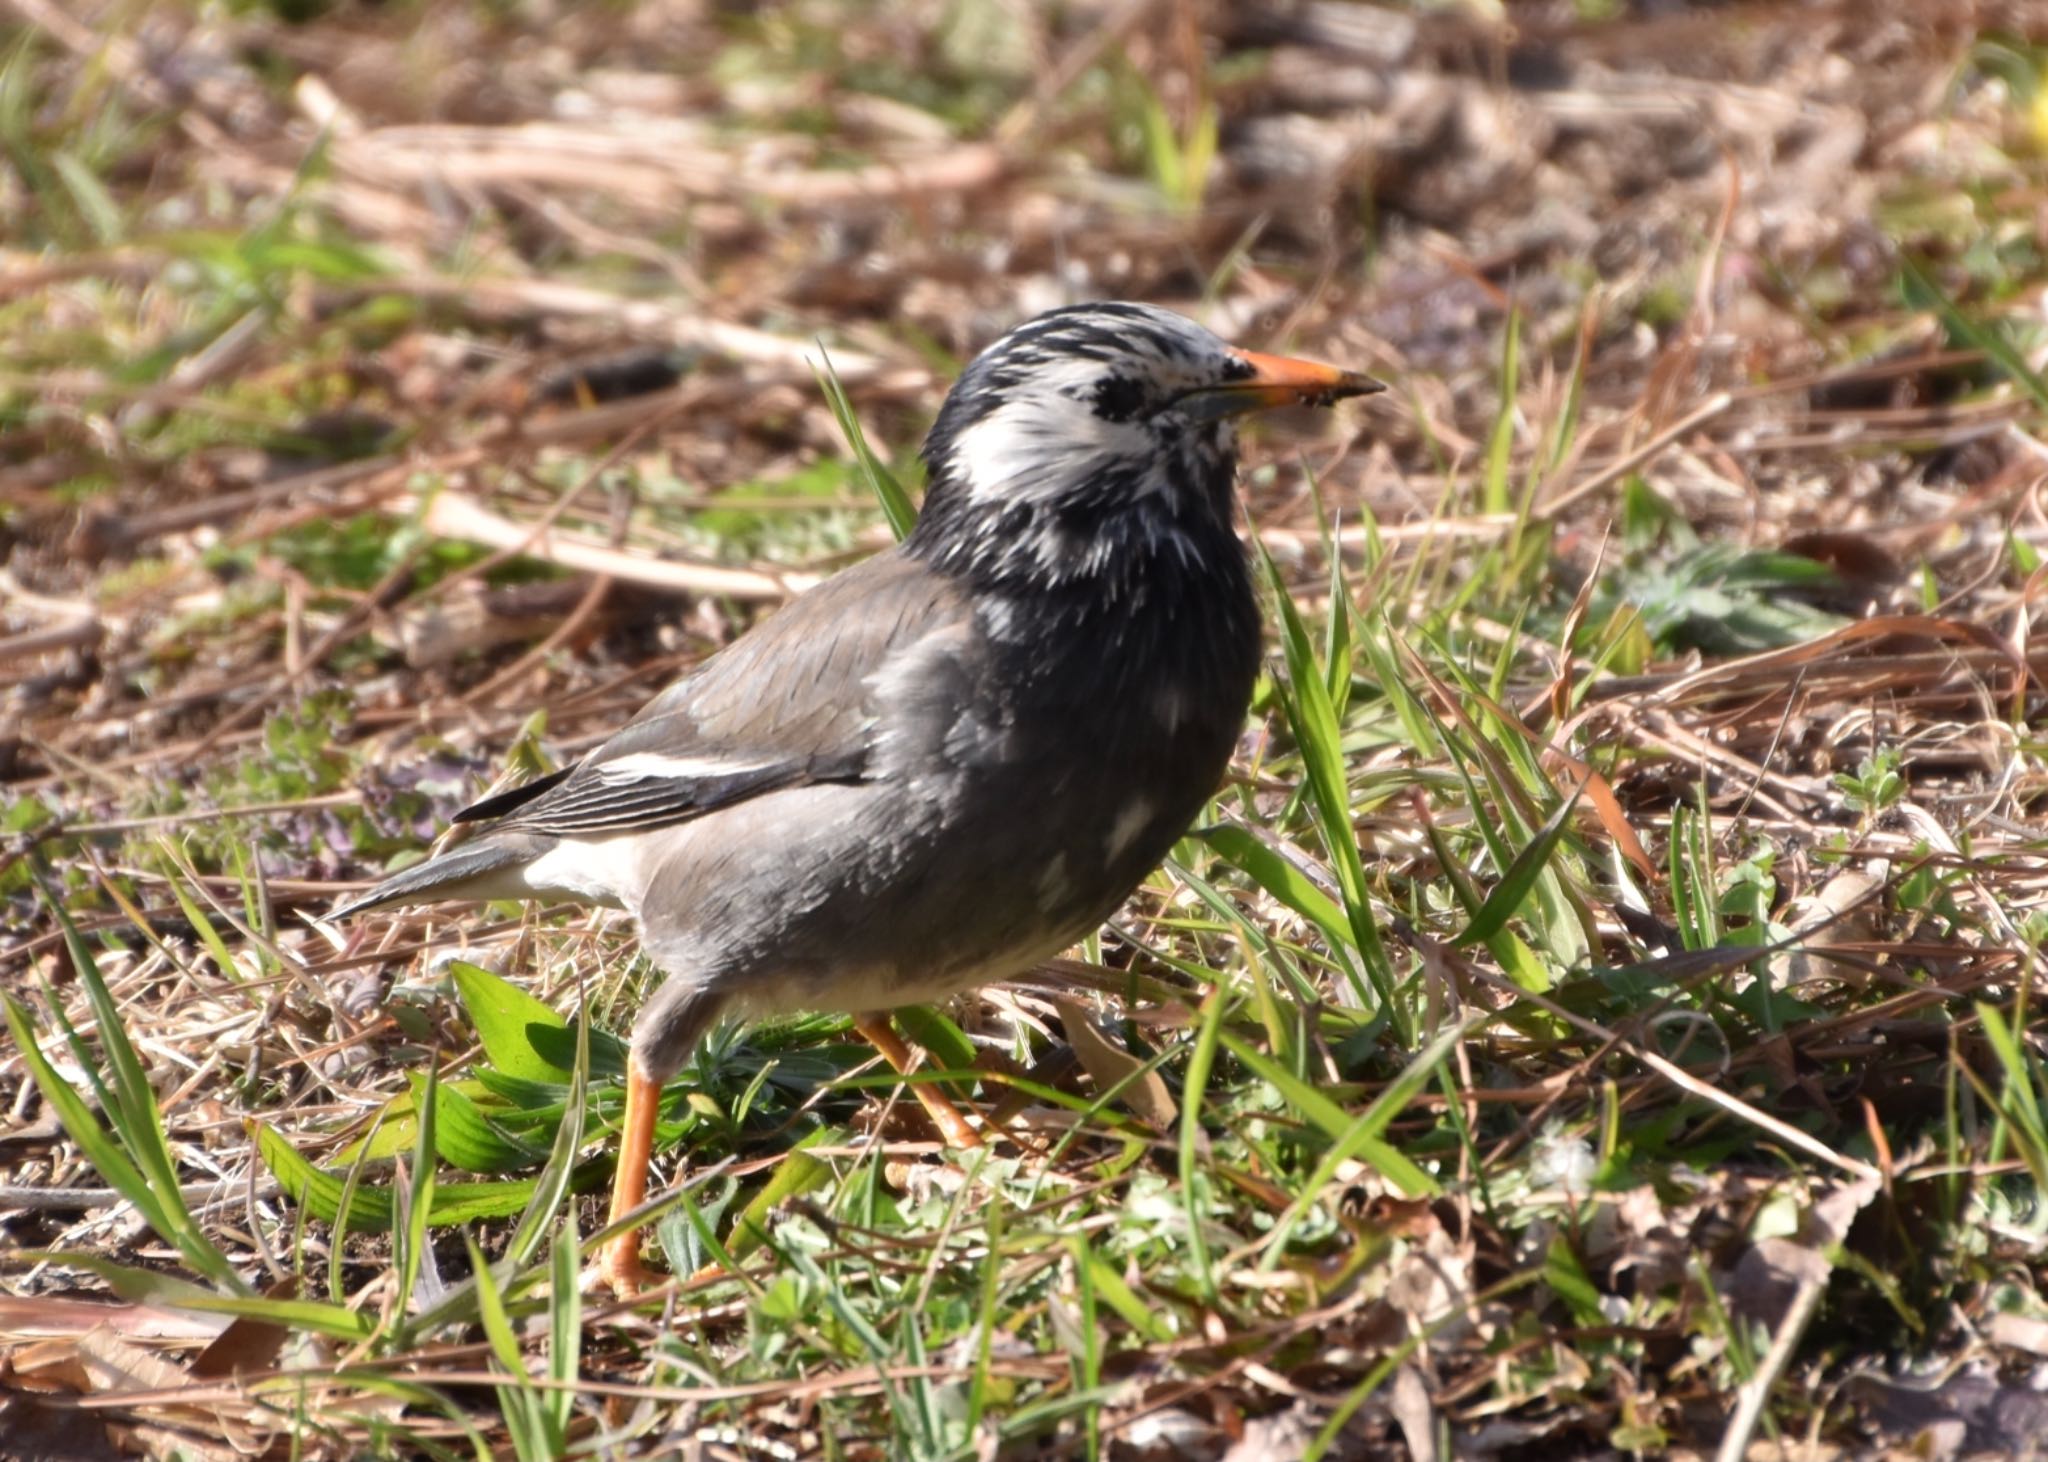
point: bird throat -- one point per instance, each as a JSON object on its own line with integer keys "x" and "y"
{"x": 1097, "y": 601}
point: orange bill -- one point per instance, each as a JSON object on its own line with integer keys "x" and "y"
{"x": 1276, "y": 380}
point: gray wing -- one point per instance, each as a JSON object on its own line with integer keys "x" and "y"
{"x": 793, "y": 701}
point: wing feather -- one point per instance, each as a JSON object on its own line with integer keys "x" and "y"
{"x": 789, "y": 703}
{"x": 510, "y": 800}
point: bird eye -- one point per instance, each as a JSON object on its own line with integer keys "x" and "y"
{"x": 1118, "y": 398}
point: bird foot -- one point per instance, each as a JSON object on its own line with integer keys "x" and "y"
{"x": 618, "y": 1269}
{"x": 630, "y": 1279}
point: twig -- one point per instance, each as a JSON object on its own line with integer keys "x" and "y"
{"x": 29, "y": 1198}
{"x": 1705, "y": 412}
{"x": 457, "y": 515}
{"x": 71, "y": 635}
{"x": 1750, "y": 1399}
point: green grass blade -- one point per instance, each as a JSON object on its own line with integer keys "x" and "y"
{"x": 798, "y": 1173}
{"x": 1314, "y": 720}
{"x": 99, "y": 1146}
{"x": 137, "y": 1121}
{"x": 1365, "y": 1130}
{"x": 111, "y": 1162}
{"x": 896, "y": 504}
{"x": 216, "y": 946}
{"x": 1921, "y": 290}
{"x": 518, "y": 1400}
{"x": 149, "y": 1287}
{"x": 1247, "y": 852}
{"x": 946, "y": 1043}
{"x": 565, "y": 1330}
{"x": 1192, "y": 1187}
{"x": 1520, "y": 878}
{"x": 1332, "y": 1120}
{"x": 412, "y": 1245}
{"x": 1109, "y": 1289}
{"x": 1500, "y": 445}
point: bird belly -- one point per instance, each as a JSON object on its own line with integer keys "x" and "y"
{"x": 846, "y": 897}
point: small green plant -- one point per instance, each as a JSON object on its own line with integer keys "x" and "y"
{"x": 1177, "y": 159}
{"x": 1875, "y": 785}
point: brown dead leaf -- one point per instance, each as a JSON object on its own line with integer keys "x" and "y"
{"x": 32, "y": 1427}
{"x": 1843, "y": 912}
{"x": 1143, "y": 1091}
{"x": 55, "y": 1315}
{"x": 248, "y": 1344}
{"x": 112, "y": 1364}
{"x": 2021, "y": 1332}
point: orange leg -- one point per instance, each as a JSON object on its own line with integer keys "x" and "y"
{"x": 953, "y": 1127}
{"x": 620, "y": 1266}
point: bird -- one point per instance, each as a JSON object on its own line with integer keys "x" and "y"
{"x": 943, "y": 765}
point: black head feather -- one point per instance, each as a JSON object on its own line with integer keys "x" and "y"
{"x": 1058, "y": 456}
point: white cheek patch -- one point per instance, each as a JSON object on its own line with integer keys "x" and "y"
{"x": 606, "y": 871}
{"x": 1039, "y": 446}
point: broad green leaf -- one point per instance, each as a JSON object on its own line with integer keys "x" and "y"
{"x": 371, "y": 1208}
{"x": 536, "y": 1100}
{"x": 552, "y": 1187}
{"x": 506, "y": 1018}
{"x": 557, "y": 1047}
{"x": 397, "y": 1126}
{"x": 465, "y": 1137}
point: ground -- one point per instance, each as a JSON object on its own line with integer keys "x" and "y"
{"x": 1595, "y": 1017}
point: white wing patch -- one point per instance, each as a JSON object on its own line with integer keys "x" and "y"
{"x": 1171, "y": 706}
{"x": 643, "y": 766}
{"x": 1136, "y": 816}
{"x": 1052, "y": 884}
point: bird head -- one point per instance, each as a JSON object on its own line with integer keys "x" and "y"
{"x": 1093, "y": 429}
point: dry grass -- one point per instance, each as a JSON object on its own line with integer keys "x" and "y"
{"x": 1598, "y": 1018}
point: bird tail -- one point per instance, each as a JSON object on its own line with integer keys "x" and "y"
{"x": 483, "y": 868}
